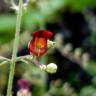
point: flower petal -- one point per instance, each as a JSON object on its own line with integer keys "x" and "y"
{"x": 25, "y": 84}
{"x": 36, "y": 49}
{"x": 42, "y": 33}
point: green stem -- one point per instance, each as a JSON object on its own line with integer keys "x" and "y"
{"x": 15, "y": 50}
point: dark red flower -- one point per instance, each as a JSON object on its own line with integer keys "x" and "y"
{"x": 38, "y": 45}
{"x": 23, "y": 84}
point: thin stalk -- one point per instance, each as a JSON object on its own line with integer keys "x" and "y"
{"x": 15, "y": 49}
{"x": 3, "y": 63}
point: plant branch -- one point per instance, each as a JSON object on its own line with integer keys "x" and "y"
{"x": 3, "y": 63}
{"x": 15, "y": 50}
{"x": 3, "y": 58}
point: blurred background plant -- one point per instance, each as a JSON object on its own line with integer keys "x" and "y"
{"x": 73, "y": 24}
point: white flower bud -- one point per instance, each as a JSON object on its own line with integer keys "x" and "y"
{"x": 77, "y": 53}
{"x": 43, "y": 67}
{"x": 85, "y": 59}
{"x": 50, "y": 44}
{"x": 15, "y": 4}
{"x": 58, "y": 39}
{"x": 51, "y": 68}
{"x": 67, "y": 48}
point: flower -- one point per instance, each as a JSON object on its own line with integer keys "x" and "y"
{"x": 23, "y": 92}
{"x": 38, "y": 45}
{"x": 24, "y": 86}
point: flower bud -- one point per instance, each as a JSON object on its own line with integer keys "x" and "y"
{"x": 50, "y": 44}
{"x": 67, "y": 48}
{"x": 15, "y": 4}
{"x": 51, "y": 68}
{"x": 43, "y": 67}
{"x": 85, "y": 59}
{"x": 58, "y": 39}
{"x": 77, "y": 53}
